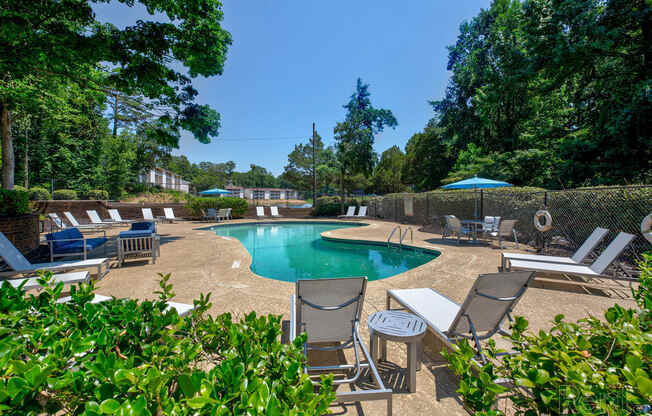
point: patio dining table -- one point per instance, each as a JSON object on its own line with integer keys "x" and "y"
{"x": 473, "y": 225}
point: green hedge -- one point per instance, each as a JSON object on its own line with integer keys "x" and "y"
{"x": 126, "y": 357}
{"x": 97, "y": 194}
{"x": 589, "y": 367}
{"x": 13, "y": 203}
{"x": 329, "y": 206}
{"x": 197, "y": 205}
{"x": 64, "y": 194}
{"x": 39, "y": 194}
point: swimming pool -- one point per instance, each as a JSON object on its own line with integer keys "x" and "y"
{"x": 295, "y": 250}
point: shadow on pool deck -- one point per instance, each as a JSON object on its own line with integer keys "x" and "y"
{"x": 200, "y": 262}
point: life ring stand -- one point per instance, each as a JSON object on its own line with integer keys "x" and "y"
{"x": 646, "y": 227}
{"x": 547, "y": 225}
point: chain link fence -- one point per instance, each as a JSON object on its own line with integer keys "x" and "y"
{"x": 575, "y": 213}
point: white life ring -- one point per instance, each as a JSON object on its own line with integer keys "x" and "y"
{"x": 547, "y": 225}
{"x": 646, "y": 227}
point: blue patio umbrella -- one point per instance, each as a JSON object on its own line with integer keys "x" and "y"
{"x": 476, "y": 183}
{"x": 215, "y": 191}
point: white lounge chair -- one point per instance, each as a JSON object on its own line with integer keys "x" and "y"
{"x": 96, "y": 220}
{"x": 147, "y": 214}
{"x": 490, "y": 300}
{"x": 362, "y": 211}
{"x": 350, "y": 212}
{"x": 260, "y": 212}
{"x": 169, "y": 214}
{"x": 329, "y": 311}
{"x": 580, "y": 255}
{"x": 596, "y": 269}
{"x": 182, "y": 309}
{"x": 21, "y": 265}
{"x": 115, "y": 216}
{"x": 65, "y": 278}
{"x": 56, "y": 220}
{"x": 73, "y": 221}
{"x": 274, "y": 212}
{"x": 228, "y": 213}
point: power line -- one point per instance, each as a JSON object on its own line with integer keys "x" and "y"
{"x": 270, "y": 139}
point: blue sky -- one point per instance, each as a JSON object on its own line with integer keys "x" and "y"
{"x": 295, "y": 62}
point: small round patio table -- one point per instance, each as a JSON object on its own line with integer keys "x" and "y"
{"x": 399, "y": 326}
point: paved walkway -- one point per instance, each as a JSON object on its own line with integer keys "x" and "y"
{"x": 202, "y": 262}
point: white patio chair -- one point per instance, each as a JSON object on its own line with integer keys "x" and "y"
{"x": 580, "y": 255}
{"x": 490, "y": 300}
{"x": 329, "y": 311}
{"x": 490, "y": 224}
{"x": 221, "y": 214}
{"x": 362, "y": 211}
{"x": 274, "y": 212}
{"x": 596, "y": 269}
{"x": 21, "y": 266}
{"x": 260, "y": 212}
{"x": 115, "y": 216}
{"x": 228, "y": 213}
{"x": 350, "y": 212}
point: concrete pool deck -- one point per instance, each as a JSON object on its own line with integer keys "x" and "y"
{"x": 202, "y": 262}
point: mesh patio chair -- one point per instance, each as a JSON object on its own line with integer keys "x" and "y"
{"x": 489, "y": 302}
{"x": 505, "y": 229}
{"x": 329, "y": 311}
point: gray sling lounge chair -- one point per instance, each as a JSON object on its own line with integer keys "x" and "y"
{"x": 329, "y": 311}
{"x": 21, "y": 266}
{"x": 491, "y": 299}
{"x": 580, "y": 255}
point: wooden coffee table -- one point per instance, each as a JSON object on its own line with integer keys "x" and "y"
{"x": 399, "y": 326}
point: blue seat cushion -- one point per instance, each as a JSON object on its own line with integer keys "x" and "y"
{"x": 136, "y": 233}
{"x": 67, "y": 234}
{"x": 140, "y": 229}
{"x": 78, "y": 245}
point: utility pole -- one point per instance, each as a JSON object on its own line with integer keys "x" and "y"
{"x": 314, "y": 167}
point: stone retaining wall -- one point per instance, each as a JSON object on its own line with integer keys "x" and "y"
{"x": 23, "y": 231}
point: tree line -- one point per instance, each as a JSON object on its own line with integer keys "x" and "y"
{"x": 85, "y": 104}
{"x": 549, "y": 93}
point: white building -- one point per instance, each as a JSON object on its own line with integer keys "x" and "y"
{"x": 165, "y": 179}
{"x": 262, "y": 193}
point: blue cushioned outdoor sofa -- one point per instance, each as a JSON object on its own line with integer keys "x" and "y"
{"x": 71, "y": 242}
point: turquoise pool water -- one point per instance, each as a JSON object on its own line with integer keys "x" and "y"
{"x": 291, "y": 251}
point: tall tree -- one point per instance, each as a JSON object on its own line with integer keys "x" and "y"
{"x": 299, "y": 170}
{"x": 354, "y": 137}
{"x": 46, "y": 39}
{"x": 387, "y": 177}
